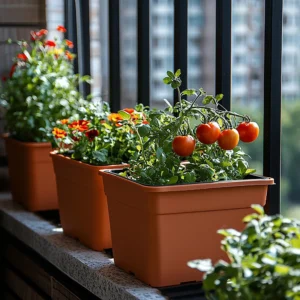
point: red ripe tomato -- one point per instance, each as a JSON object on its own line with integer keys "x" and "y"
{"x": 183, "y": 145}
{"x": 248, "y": 131}
{"x": 208, "y": 133}
{"x": 229, "y": 138}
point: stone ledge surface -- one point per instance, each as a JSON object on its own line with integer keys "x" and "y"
{"x": 91, "y": 269}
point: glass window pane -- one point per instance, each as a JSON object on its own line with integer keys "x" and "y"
{"x": 247, "y": 93}
{"x": 128, "y": 44}
{"x": 201, "y": 44}
{"x": 162, "y": 40}
{"x": 54, "y": 16}
{"x": 290, "y": 188}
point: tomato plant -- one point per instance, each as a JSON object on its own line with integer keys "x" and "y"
{"x": 208, "y": 133}
{"x": 183, "y": 145}
{"x": 248, "y": 131}
{"x": 229, "y": 139}
{"x": 188, "y": 129}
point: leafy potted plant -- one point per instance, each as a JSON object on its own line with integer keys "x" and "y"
{"x": 40, "y": 89}
{"x": 264, "y": 261}
{"x": 166, "y": 211}
{"x": 99, "y": 141}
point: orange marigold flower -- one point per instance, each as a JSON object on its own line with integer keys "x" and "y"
{"x": 64, "y": 121}
{"x": 91, "y": 134}
{"x": 81, "y": 125}
{"x": 59, "y": 133}
{"x": 22, "y": 56}
{"x": 50, "y": 43}
{"x": 114, "y": 117}
{"x": 129, "y": 110}
{"x": 145, "y": 122}
{"x": 61, "y": 28}
{"x": 69, "y": 55}
{"x": 69, "y": 44}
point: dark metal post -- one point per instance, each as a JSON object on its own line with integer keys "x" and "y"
{"x": 70, "y": 24}
{"x": 181, "y": 41}
{"x": 143, "y": 17}
{"x": 83, "y": 37}
{"x": 223, "y": 50}
{"x": 114, "y": 55}
{"x": 272, "y": 100}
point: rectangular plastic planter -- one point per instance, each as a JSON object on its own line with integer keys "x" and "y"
{"x": 156, "y": 230}
{"x": 82, "y": 202}
{"x": 31, "y": 174}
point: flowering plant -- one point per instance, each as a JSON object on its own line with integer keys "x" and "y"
{"x": 41, "y": 87}
{"x": 100, "y": 138}
{"x": 205, "y": 136}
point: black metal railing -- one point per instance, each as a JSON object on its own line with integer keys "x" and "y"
{"x": 272, "y": 73}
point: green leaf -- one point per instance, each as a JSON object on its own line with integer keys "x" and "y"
{"x": 203, "y": 265}
{"x": 178, "y": 73}
{"x": 171, "y": 74}
{"x": 282, "y": 269}
{"x": 167, "y": 80}
{"x": 125, "y": 115}
{"x": 189, "y": 92}
{"x": 207, "y": 99}
{"x": 173, "y": 180}
{"x": 250, "y": 217}
{"x": 175, "y": 84}
{"x": 219, "y": 97}
{"x": 143, "y": 130}
{"x": 100, "y": 155}
{"x": 250, "y": 171}
{"x": 258, "y": 208}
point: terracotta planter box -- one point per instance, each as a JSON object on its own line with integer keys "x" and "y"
{"x": 31, "y": 174}
{"x": 156, "y": 230}
{"x": 82, "y": 202}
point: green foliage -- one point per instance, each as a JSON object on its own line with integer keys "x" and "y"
{"x": 264, "y": 261}
{"x": 42, "y": 88}
{"x": 99, "y": 138}
{"x": 157, "y": 164}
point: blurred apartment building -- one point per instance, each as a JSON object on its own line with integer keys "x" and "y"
{"x": 247, "y": 47}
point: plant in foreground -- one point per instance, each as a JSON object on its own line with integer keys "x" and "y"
{"x": 41, "y": 87}
{"x": 264, "y": 261}
{"x": 200, "y": 134}
{"x": 99, "y": 138}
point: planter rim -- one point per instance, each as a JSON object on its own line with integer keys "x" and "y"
{"x": 85, "y": 165}
{"x": 259, "y": 180}
{"x": 6, "y": 136}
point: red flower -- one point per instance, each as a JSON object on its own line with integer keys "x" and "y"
{"x": 50, "y": 43}
{"x": 61, "y": 28}
{"x": 33, "y": 35}
{"x": 4, "y": 78}
{"x": 12, "y": 70}
{"x": 69, "y": 43}
{"x": 41, "y": 32}
{"x": 69, "y": 55}
{"x": 129, "y": 110}
{"x": 80, "y": 125}
{"x": 91, "y": 134}
{"x": 59, "y": 133}
{"x": 22, "y": 56}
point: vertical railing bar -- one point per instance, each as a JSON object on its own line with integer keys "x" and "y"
{"x": 83, "y": 38}
{"x": 181, "y": 42}
{"x": 143, "y": 42}
{"x": 114, "y": 55}
{"x": 223, "y": 51}
{"x": 272, "y": 100}
{"x": 70, "y": 24}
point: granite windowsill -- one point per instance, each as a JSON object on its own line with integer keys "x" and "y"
{"x": 93, "y": 270}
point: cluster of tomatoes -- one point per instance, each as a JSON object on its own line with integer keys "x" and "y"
{"x": 210, "y": 133}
